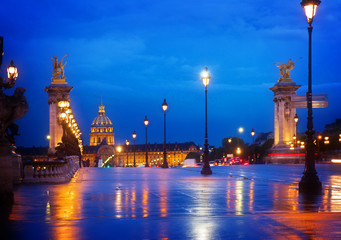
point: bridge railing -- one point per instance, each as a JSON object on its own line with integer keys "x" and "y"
{"x": 56, "y": 171}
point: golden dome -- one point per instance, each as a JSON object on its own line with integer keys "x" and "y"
{"x": 101, "y": 120}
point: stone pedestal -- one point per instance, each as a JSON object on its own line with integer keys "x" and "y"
{"x": 285, "y": 156}
{"x": 17, "y": 167}
{"x": 6, "y": 175}
{"x": 284, "y": 130}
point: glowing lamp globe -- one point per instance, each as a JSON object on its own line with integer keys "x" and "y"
{"x": 310, "y": 7}
{"x": 164, "y": 105}
{"x": 12, "y": 71}
{"x": 205, "y": 77}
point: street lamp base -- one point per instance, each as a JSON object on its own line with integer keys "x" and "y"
{"x": 310, "y": 184}
{"x": 206, "y": 170}
{"x": 165, "y": 165}
{"x": 147, "y": 165}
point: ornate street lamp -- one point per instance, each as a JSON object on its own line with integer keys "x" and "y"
{"x": 12, "y": 108}
{"x": 205, "y": 77}
{"x": 146, "y": 122}
{"x": 319, "y": 137}
{"x": 127, "y": 143}
{"x": 165, "y": 163}
{"x": 119, "y": 149}
{"x": 12, "y": 74}
{"x": 134, "y": 136}
{"x": 253, "y": 142}
{"x": 253, "y": 135}
{"x": 310, "y": 182}
{"x": 296, "y": 121}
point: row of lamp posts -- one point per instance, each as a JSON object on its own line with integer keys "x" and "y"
{"x": 206, "y": 170}
{"x": 146, "y": 123}
{"x": 71, "y": 131}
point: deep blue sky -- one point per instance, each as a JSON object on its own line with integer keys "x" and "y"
{"x": 135, "y": 53}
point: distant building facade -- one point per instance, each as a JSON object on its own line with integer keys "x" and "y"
{"x": 176, "y": 154}
{"x": 333, "y": 129}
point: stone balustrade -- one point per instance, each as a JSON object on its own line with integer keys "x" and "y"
{"x": 57, "y": 171}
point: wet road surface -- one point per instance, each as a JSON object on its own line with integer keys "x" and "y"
{"x": 236, "y": 202}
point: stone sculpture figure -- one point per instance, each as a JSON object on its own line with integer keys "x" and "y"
{"x": 12, "y": 108}
{"x": 58, "y": 68}
{"x": 285, "y": 68}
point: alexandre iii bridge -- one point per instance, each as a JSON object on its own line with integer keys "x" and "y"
{"x": 149, "y": 203}
{"x": 65, "y": 141}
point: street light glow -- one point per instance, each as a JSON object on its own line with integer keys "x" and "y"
{"x": 310, "y": 11}
{"x": 296, "y": 118}
{"x": 164, "y": 105}
{"x": 310, "y": 7}
{"x": 146, "y": 121}
{"x": 252, "y": 132}
{"x": 205, "y": 76}
{"x": 12, "y": 71}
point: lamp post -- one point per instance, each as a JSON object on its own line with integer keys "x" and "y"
{"x": 146, "y": 122}
{"x": 134, "y": 136}
{"x": 296, "y": 121}
{"x": 206, "y": 169}
{"x": 165, "y": 163}
{"x": 310, "y": 182}
{"x": 127, "y": 144}
{"x": 253, "y": 135}
{"x": 119, "y": 149}
{"x": 253, "y": 142}
{"x": 12, "y": 108}
{"x": 319, "y": 137}
{"x": 240, "y": 130}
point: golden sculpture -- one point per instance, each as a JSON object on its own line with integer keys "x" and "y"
{"x": 58, "y": 68}
{"x": 285, "y": 68}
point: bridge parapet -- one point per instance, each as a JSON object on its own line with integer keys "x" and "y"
{"x": 57, "y": 171}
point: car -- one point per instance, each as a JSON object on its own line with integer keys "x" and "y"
{"x": 235, "y": 161}
{"x": 218, "y": 162}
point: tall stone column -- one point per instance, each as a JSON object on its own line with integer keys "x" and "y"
{"x": 57, "y": 91}
{"x": 284, "y": 90}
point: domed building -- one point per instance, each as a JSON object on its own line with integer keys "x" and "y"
{"x": 101, "y": 129}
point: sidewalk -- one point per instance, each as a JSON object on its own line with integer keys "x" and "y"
{"x": 245, "y": 202}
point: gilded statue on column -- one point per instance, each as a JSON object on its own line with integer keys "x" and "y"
{"x": 285, "y": 68}
{"x": 58, "y": 67}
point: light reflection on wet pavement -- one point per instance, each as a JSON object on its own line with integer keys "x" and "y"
{"x": 250, "y": 202}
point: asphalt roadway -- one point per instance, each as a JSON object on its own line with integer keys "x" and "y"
{"x": 236, "y": 202}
